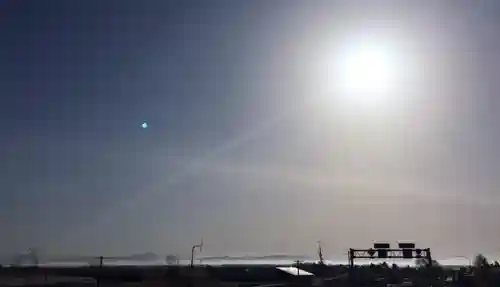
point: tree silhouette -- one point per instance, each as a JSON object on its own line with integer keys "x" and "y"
{"x": 172, "y": 260}
{"x": 424, "y": 262}
{"x": 480, "y": 261}
{"x": 421, "y": 262}
{"x": 481, "y": 270}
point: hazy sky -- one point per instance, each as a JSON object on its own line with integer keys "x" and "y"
{"x": 248, "y": 145}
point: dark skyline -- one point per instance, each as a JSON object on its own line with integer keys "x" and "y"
{"x": 242, "y": 148}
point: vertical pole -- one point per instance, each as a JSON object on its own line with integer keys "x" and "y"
{"x": 351, "y": 258}
{"x": 99, "y": 272}
{"x": 192, "y": 260}
{"x": 350, "y": 272}
{"x": 192, "y": 255}
{"x": 429, "y": 257}
{"x": 320, "y": 254}
{"x": 298, "y": 265}
{"x": 200, "y": 246}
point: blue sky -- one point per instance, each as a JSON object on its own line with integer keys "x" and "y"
{"x": 242, "y": 149}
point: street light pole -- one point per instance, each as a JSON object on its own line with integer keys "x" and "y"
{"x": 200, "y": 247}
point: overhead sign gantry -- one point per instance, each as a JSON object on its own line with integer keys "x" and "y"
{"x": 405, "y": 250}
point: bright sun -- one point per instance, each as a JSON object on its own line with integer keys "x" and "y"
{"x": 367, "y": 71}
{"x": 362, "y": 75}
{"x": 367, "y": 74}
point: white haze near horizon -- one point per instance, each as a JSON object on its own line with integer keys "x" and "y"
{"x": 448, "y": 262}
{"x": 454, "y": 261}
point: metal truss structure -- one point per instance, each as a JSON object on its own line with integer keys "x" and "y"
{"x": 382, "y": 251}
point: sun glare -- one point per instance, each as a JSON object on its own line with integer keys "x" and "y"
{"x": 362, "y": 75}
{"x": 367, "y": 71}
{"x": 367, "y": 75}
